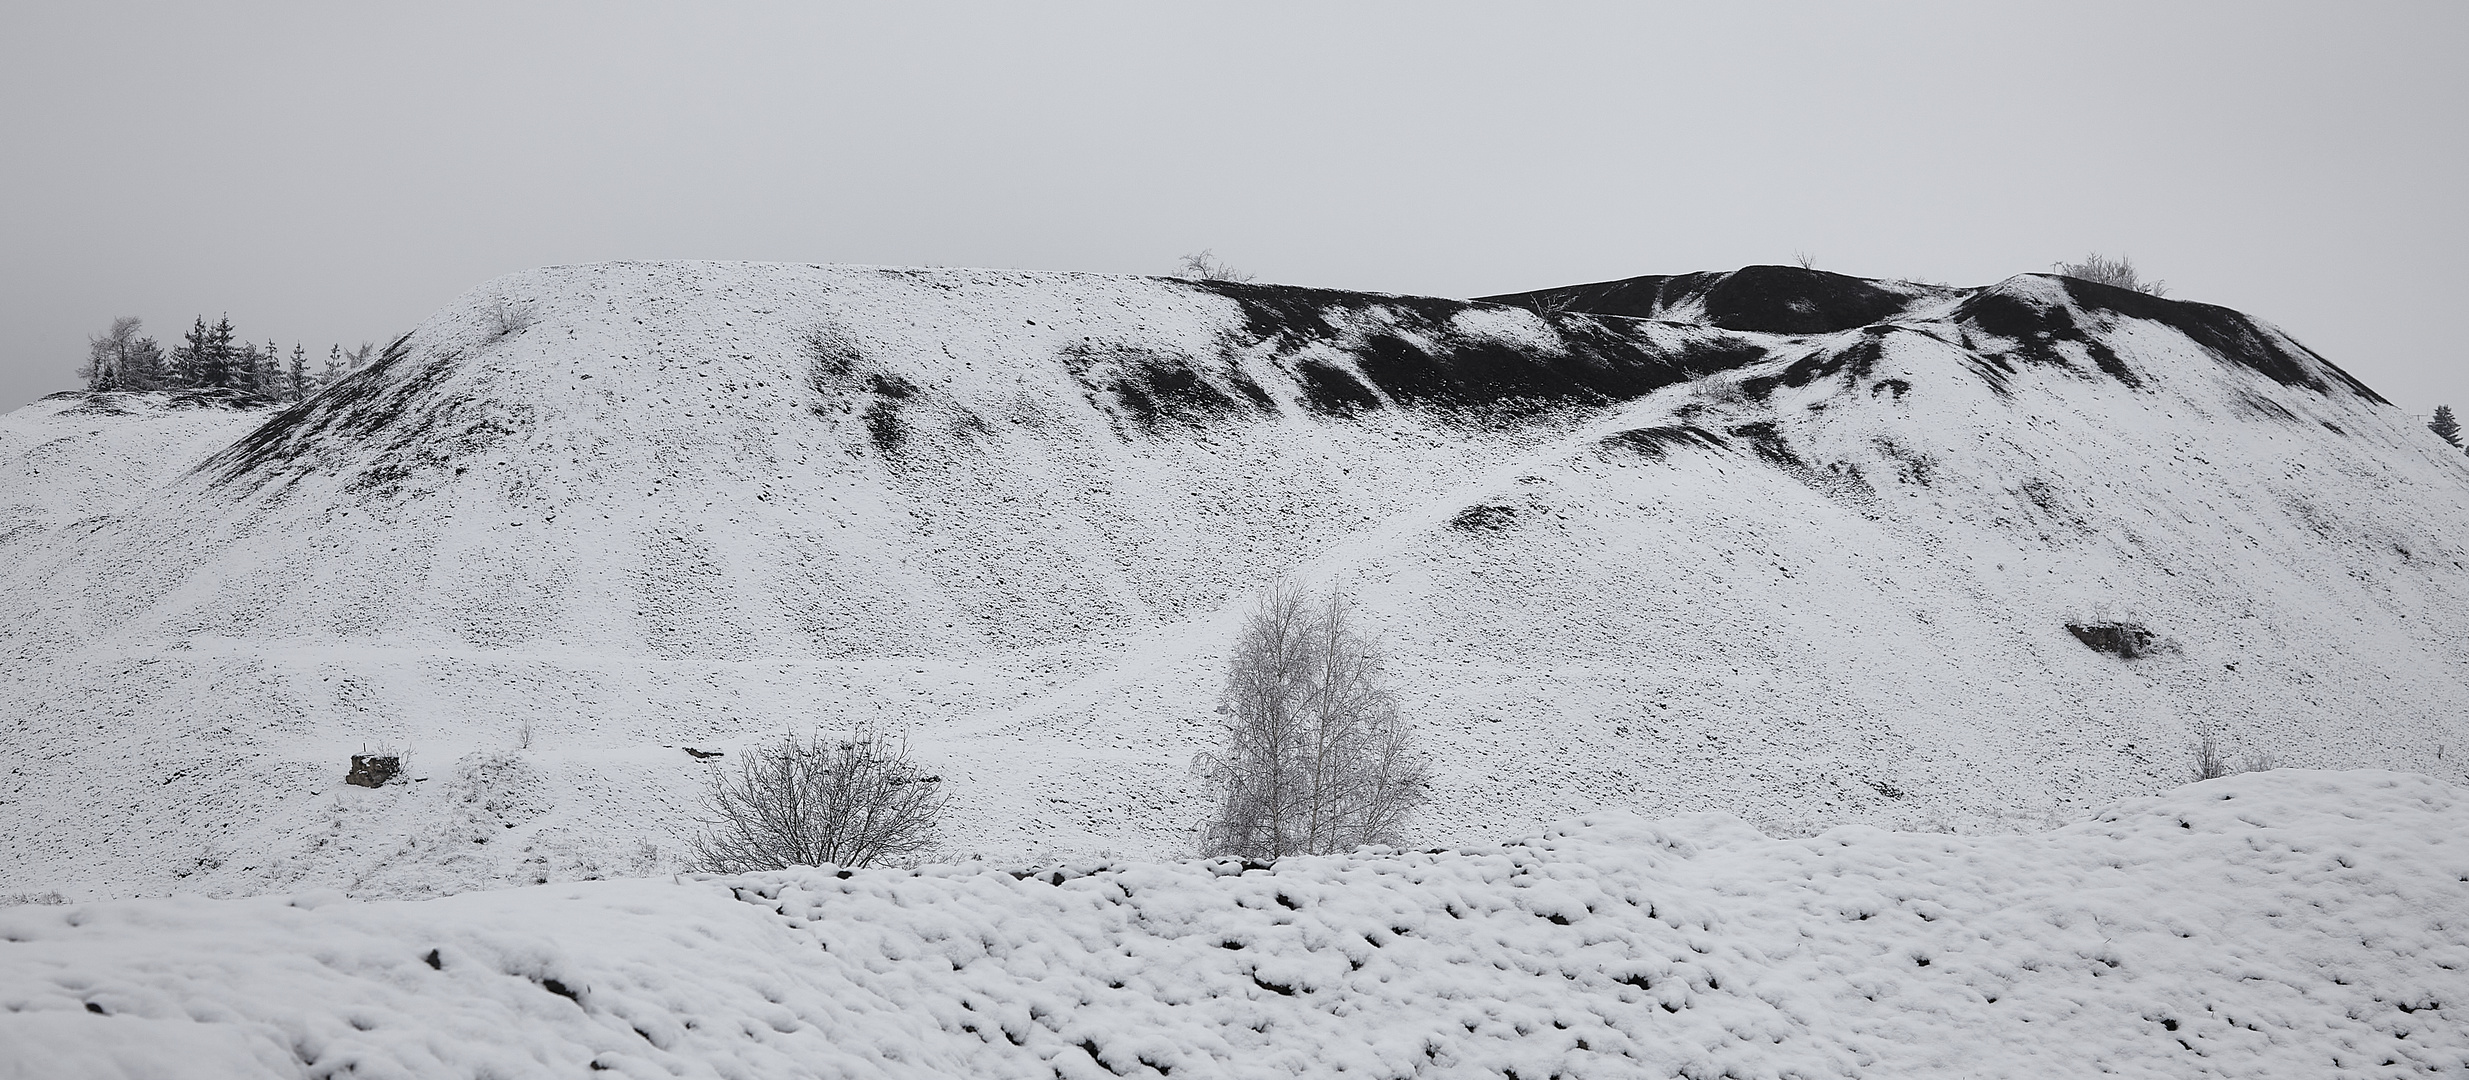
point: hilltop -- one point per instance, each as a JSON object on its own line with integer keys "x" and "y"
{"x": 1805, "y": 549}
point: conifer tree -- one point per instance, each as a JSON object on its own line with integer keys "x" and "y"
{"x": 214, "y": 369}
{"x": 334, "y": 367}
{"x": 245, "y": 362}
{"x": 144, "y": 369}
{"x": 2444, "y": 425}
{"x": 191, "y": 359}
{"x": 296, "y": 377}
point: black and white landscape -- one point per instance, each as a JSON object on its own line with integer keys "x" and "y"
{"x": 1813, "y": 670}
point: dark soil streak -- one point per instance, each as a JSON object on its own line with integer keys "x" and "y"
{"x": 1770, "y": 299}
{"x": 396, "y": 402}
{"x": 1652, "y": 441}
{"x": 1406, "y": 351}
{"x": 2227, "y": 334}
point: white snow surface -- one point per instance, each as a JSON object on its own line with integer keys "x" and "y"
{"x": 596, "y": 515}
{"x": 2289, "y": 923}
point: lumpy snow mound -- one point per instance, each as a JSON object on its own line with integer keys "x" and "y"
{"x": 1800, "y": 548}
{"x": 2281, "y": 924}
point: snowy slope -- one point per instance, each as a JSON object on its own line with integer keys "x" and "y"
{"x": 2283, "y": 924}
{"x": 1800, "y": 572}
{"x": 72, "y": 456}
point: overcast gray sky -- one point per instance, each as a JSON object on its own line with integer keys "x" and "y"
{"x": 333, "y": 172}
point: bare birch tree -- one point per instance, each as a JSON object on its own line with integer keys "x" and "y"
{"x": 1314, "y": 756}
{"x": 121, "y": 358}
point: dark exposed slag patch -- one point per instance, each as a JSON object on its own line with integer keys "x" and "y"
{"x": 1405, "y": 348}
{"x": 2264, "y": 406}
{"x": 1296, "y": 316}
{"x": 1159, "y": 389}
{"x": 884, "y": 426}
{"x": 377, "y": 401}
{"x": 2036, "y": 330}
{"x": 1769, "y": 444}
{"x": 833, "y": 362}
{"x": 2044, "y": 496}
{"x": 2053, "y": 503}
{"x": 1484, "y": 517}
{"x": 1251, "y": 391}
{"x": 1910, "y": 465}
{"x": 2227, "y": 334}
{"x": 838, "y": 373}
{"x": 1858, "y": 358}
{"x": 1492, "y": 376}
{"x": 1332, "y": 390}
{"x": 1994, "y": 371}
{"x": 1791, "y": 300}
{"x": 1718, "y": 354}
{"x": 1652, "y": 442}
{"x": 2125, "y": 640}
{"x": 1769, "y": 299}
{"x": 1645, "y": 297}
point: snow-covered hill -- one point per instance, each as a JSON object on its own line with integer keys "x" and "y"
{"x": 1803, "y": 551}
{"x": 2283, "y": 924}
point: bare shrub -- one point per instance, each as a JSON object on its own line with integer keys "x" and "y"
{"x": 1314, "y": 756}
{"x": 1552, "y": 304}
{"x": 2119, "y": 271}
{"x": 1206, "y": 267}
{"x": 807, "y": 802}
{"x": 2210, "y": 763}
{"x": 506, "y": 320}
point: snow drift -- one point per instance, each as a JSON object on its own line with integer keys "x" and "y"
{"x": 2282, "y": 924}
{"x": 1800, "y": 548}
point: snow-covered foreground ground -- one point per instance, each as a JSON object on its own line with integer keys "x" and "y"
{"x": 2281, "y": 924}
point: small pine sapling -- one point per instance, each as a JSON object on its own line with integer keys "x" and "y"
{"x": 2445, "y": 425}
